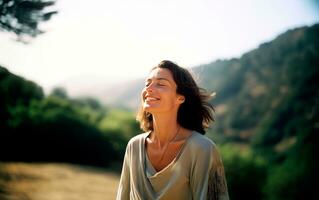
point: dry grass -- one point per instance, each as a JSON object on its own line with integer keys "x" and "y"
{"x": 52, "y": 181}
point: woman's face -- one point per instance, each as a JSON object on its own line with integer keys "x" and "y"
{"x": 159, "y": 94}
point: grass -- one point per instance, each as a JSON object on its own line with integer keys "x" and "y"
{"x": 55, "y": 181}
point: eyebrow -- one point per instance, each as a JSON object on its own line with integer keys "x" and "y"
{"x": 165, "y": 79}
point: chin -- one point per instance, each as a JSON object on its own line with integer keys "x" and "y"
{"x": 151, "y": 109}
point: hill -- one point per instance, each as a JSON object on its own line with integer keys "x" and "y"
{"x": 273, "y": 84}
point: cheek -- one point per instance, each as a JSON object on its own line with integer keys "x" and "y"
{"x": 169, "y": 98}
{"x": 143, "y": 94}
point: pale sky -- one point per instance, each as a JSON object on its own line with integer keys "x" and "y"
{"x": 100, "y": 41}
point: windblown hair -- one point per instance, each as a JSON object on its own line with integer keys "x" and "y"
{"x": 195, "y": 113}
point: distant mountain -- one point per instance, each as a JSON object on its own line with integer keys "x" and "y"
{"x": 126, "y": 94}
{"x": 265, "y": 87}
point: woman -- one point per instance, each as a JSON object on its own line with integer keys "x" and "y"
{"x": 172, "y": 159}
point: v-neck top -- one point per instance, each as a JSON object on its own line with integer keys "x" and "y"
{"x": 195, "y": 173}
{"x": 150, "y": 170}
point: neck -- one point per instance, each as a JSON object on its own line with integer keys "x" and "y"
{"x": 165, "y": 127}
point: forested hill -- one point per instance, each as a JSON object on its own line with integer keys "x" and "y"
{"x": 269, "y": 100}
{"x": 262, "y": 97}
{"x": 57, "y": 128}
{"x": 270, "y": 93}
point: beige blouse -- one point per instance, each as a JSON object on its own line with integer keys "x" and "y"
{"x": 197, "y": 172}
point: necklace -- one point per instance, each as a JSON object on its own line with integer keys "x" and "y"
{"x": 166, "y": 146}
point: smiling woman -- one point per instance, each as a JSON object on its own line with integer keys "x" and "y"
{"x": 172, "y": 159}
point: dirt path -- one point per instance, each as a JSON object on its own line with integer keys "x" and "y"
{"x": 52, "y": 181}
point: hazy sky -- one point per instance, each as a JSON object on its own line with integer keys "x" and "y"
{"x": 96, "y": 41}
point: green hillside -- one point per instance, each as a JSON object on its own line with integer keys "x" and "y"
{"x": 58, "y": 128}
{"x": 268, "y": 101}
{"x": 270, "y": 87}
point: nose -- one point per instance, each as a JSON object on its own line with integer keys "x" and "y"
{"x": 146, "y": 90}
{"x": 149, "y": 88}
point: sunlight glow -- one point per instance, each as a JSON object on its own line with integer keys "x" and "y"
{"x": 110, "y": 41}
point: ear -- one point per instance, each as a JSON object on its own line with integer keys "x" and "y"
{"x": 181, "y": 99}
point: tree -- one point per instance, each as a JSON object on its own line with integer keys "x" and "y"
{"x": 59, "y": 92}
{"x": 22, "y": 17}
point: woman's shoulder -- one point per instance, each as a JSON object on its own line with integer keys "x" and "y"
{"x": 201, "y": 142}
{"x": 137, "y": 139}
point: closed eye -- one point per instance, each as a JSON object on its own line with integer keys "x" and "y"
{"x": 159, "y": 84}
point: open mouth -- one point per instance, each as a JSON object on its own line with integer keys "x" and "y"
{"x": 151, "y": 99}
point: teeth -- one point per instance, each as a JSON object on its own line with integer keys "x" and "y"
{"x": 151, "y": 99}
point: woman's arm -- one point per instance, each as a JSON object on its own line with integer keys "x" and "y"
{"x": 217, "y": 185}
{"x": 123, "y": 192}
{"x": 208, "y": 178}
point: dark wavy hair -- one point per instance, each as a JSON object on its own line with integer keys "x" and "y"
{"x": 195, "y": 113}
